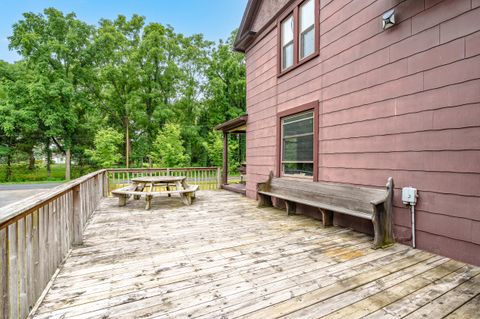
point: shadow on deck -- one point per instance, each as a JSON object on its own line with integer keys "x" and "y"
{"x": 224, "y": 258}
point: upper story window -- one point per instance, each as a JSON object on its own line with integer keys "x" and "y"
{"x": 299, "y": 36}
{"x": 307, "y": 29}
{"x": 287, "y": 43}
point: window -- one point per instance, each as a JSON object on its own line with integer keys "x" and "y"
{"x": 287, "y": 43}
{"x": 307, "y": 29}
{"x": 298, "y": 144}
{"x": 298, "y": 36}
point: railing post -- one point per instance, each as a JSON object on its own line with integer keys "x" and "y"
{"x": 4, "y": 298}
{"x": 77, "y": 217}
{"x": 99, "y": 188}
{"x": 219, "y": 178}
{"x": 106, "y": 184}
{"x": 168, "y": 171}
{"x": 13, "y": 280}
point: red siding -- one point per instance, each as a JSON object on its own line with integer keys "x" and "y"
{"x": 403, "y": 102}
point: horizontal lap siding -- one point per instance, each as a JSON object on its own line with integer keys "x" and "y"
{"x": 403, "y": 102}
{"x": 262, "y": 109}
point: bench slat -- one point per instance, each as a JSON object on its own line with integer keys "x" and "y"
{"x": 349, "y": 203}
{"x": 343, "y": 201}
{"x": 329, "y": 189}
{"x": 337, "y": 209}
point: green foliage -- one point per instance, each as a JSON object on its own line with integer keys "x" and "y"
{"x": 226, "y": 86}
{"x": 55, "y": 50}
{"x": 214, "y": 148}
{"x": 168, "y": 149}
{"x": 107, "y": 148}
{"x": 22, "y": 173}
{"x": 135, "y": 78}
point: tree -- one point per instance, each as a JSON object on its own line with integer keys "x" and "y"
{"x": 168, "y": 149}
{"x": 225, "y": 93}
{"x": 159, "y": 74}
{"x": 55, "y": 46}
{"x": 116, "y": 45}
{"x": 214, "y": 148}
{"x": 107, "y": 151}
{"x": 18, "y": 116}
{"x": 226, "y": 85}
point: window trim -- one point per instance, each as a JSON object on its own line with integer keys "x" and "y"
{"x": 312, "y": 106}
{"x": 294, "y": 11}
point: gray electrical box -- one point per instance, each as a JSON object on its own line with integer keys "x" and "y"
{"x": 409, "y": 196}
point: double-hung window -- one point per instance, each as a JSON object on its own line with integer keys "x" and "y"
{"x": 298, "y": 144}
{"x": 287, "y": 43}
{"x": 307, "y": 29}
{"x": 298, "y": 35}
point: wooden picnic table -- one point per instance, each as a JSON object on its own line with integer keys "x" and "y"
{"x": 138, "y": 185}
{"x": 144, "y": 181}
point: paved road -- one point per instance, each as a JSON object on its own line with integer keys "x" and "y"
{"x": 15, "y": 192}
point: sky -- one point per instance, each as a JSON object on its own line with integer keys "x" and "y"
{"x": 214, "y": 18}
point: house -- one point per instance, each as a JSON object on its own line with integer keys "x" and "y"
{"x": 356, "y": 93}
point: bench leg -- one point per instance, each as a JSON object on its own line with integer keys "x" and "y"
{"x": 264, "y": 201}
{"x": 382, "y": 228}
{"x": 168, "y": 189}
{"x": 291, "y": 207}
{"x": 149, "y": 202}
{"x": 377, "y": 230}
{"x": 139, "y": 188}
{"x": 327, "y": 217}
{"x": 122, "y": 200}
{"x": 186, "y": 198}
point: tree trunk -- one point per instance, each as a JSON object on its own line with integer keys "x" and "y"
{"x": 8, "y": 174}
{"x": 127, "y": 142}
{"x": 48, "y": 153}
{"x": 68, "y": 164}
{"x": 31, "y": 161}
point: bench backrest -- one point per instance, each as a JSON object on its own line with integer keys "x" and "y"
{"x": 339, "y": 195}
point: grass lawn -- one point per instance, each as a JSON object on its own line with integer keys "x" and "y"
{"x": 21, "y": 173}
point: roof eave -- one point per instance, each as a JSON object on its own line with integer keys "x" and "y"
{"x": 244, "y": 42}
{"x": 244, "y": 31}
{"x": 232, "y": 124}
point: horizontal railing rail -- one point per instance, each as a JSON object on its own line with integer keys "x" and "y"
{"x": 208, "y": 178}
{"x": 36, "y": 235}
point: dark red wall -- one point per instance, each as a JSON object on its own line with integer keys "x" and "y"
{"x": 403, "y": 102}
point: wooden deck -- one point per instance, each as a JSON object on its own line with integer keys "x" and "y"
{"x": 224, "y": 258}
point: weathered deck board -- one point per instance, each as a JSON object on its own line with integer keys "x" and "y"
{"x": 222, "y": 256}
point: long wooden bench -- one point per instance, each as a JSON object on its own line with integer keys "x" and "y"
{"x": 367, "y": 203}
{"x": 124, "y": 193}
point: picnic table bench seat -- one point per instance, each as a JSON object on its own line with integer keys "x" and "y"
{"x": 186, "y": 195}
{"x": 367, "y": 203}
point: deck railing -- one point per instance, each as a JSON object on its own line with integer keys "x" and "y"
{"x": 37, "y": 233}
{"x": 208, "y": 178}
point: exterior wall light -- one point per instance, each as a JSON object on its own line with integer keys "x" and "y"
{"x": 388, "y": 19}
